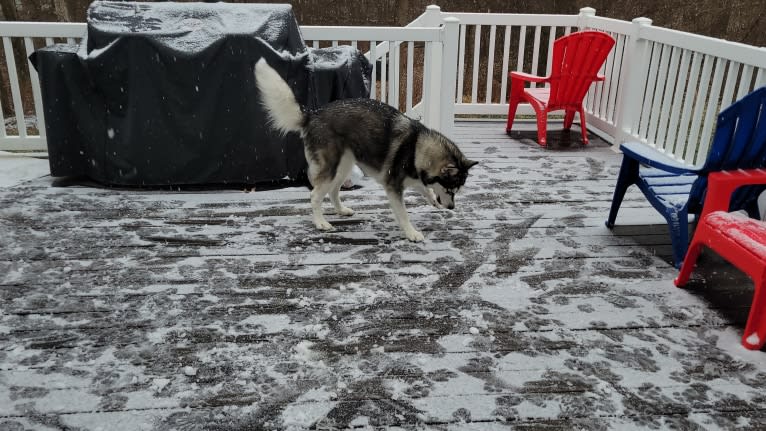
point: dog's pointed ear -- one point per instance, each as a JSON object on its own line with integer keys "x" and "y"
{"x": 469, "y": 164}
{"x": 449, "y": 170}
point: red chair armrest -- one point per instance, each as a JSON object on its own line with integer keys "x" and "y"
{"x": 722, "y": 184}
{"x": 600, "y": 78}
{"x": 527, "y": 77}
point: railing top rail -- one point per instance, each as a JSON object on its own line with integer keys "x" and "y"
{"x": 747, "y": 54}
{"x": 609, "y": 24}
{"x": 471, "y": 18}
{"x": 42, "y": 29}
{"x": 58, "y": 29}
{"x": 421, "y": 34}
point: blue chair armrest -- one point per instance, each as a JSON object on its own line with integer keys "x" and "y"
{"x": 649, "y": 156}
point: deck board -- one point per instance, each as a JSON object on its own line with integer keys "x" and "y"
{"x": 196, "y": 308}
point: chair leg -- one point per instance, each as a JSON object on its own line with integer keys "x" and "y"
{"x": 515, "y": 94}
{"x": 678, "y": 223}
{"x": 754, "y": 336}
{"x": 568, "y": 119}
{"x": 627, "y": 177}
{"x": 542, "y": 127}
{"x": 583, "y": 126}
{"x": 695, "y": 248}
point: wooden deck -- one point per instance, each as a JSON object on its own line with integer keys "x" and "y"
{"x": 227, "y": 310}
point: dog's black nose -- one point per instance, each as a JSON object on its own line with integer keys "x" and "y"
{"x": 451, "y": 206}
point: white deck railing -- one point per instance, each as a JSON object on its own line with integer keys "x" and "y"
{"x": 663, "y": 87}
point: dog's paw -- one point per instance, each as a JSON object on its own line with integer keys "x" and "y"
{"x": 322, "y": 225}
{"x": 414, "y": 235}
{"x": 431, "y": 198}
{"x": 345, "y": 211}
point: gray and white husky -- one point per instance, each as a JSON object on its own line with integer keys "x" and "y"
{"x": 395, "y": 150}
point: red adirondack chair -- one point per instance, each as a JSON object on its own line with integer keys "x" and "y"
{"x": 738, "y": 239}
{"x": 576, "y": 61}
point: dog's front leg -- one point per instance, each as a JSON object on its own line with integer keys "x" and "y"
{"x": 396, "y": 200}
{"x": 427, "y": 193}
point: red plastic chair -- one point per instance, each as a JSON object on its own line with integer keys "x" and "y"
{"x": 576, "y": 60}
{"x": 738, "y": 239}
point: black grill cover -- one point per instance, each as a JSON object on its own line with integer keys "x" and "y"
{"x": 164, "y": 93}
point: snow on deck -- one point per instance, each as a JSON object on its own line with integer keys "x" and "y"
{"x": 136, "y": 309}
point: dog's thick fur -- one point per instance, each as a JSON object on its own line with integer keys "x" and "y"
{"x": 395, "y": 150}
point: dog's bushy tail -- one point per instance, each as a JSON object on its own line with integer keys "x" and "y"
{"x": 284, "y": 112}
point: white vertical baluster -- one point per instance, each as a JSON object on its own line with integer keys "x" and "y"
{"x": 476, "y": 51}
{"x": 711, "y": 113}
{"x": 504, "y": 73}
{"x": 461, "y": 64}
{"x": 614, "y": 80}
{"x": 384, "y": 75}
{"x": 522, "y": 45}
{"x": 744, "y": 81}
{"x": 659, "y": 88}
{"x": 393, "y": 74}
{"x": 36, "y": 94}
{"x": 410, "y": 61}
{"x": 15, "y": 90}
{"x": 731, "y": 82}
{"x": 551, "y": 39}
{"x": 691, "y": 92}
{"x": 678, "y": 104}
{"x": 374, "y": 80}
{"x": 536, "y": 53}
{"x": 644, "y": 128}
{"x": 490, "y": 63}
{"x": 699, "y": 107}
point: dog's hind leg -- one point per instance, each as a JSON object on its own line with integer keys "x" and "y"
{"x": 317, "y": 196}
{"x": 396, "y": 200}
{"x": 321, "y": 186}
{"x": 344, "y": 168}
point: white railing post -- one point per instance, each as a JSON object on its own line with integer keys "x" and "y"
{"x": 585, "y": 14}
{"x": 449, "y": 75}
{"x": 632, "y": 82}
{"x": 432, "y": 85}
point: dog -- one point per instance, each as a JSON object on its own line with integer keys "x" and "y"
{"x": 397, "y": 151}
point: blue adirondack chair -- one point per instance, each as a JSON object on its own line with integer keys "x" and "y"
{"x": 677, "y": 190}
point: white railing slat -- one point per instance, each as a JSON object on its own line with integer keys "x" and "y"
{"x": 410, "y": 66}
{"x": 698, "y": 111}
{"x": 551, "y": 39}
{"x": 678, "y": 102}
{"x": 614, "y": 78}
{"x": 711, "y": 112}
{"x": 536, "y": 52}
{"x": 490, "y": 63}
{"x": 13, "y": 76}
{"x": 744, "y": 81}
{"x": 522, "y": 45}
{"x": 504, "y": 73}
{"x": 36, "y": 93}
{"x": 686, "y": 108}
{"x": 461, "y": 64}
{"x": 476, "y": 52}
{"x": 659, "y": 91}
{"x": 731, "y": 82}
{"x": 667, "y": 100}
{"x": 374, "y": 61}
{"x": 651, "y": 84}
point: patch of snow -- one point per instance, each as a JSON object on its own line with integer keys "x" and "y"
{"x": 753, "y": 339}
{"x": 159, "y": 384}
{"x": 190, "y": 371}
{"x": 16, "y": 168}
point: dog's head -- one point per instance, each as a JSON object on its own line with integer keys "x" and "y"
{"x": 443, "y": 167}
{"x": 451, "y": 178}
